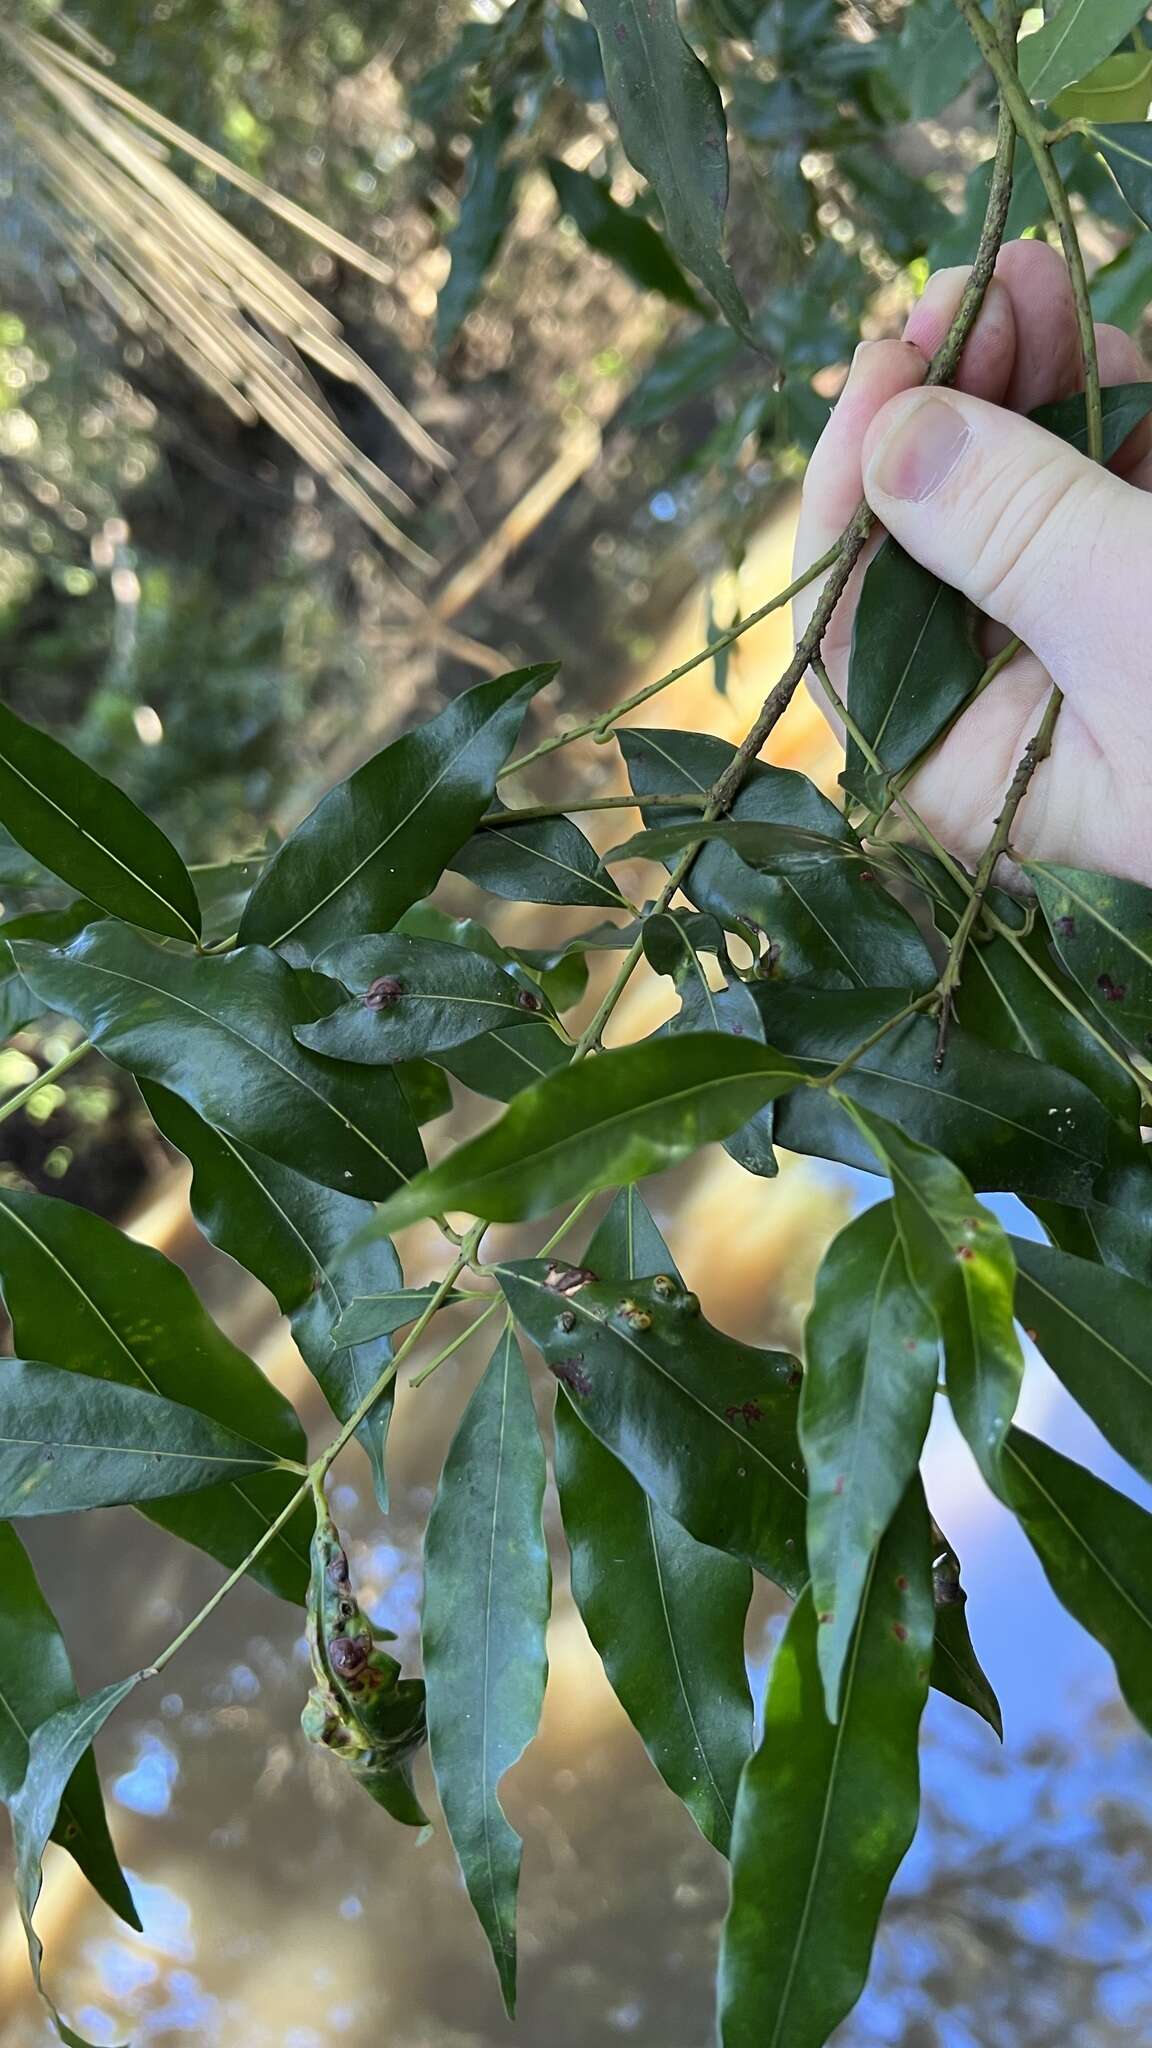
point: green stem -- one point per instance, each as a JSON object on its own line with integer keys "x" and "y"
{"x": 45, "y": 1079}
{"x": 874, "y": 1037}
{"x": 527, "y": 812}
{"x": 233, "y": 1579}
{"x": 456, "y": 1343}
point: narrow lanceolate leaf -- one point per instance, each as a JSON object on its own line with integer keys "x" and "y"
{"x": 89, "y": 833}
{"x": 35, "y": 1682}
{"x": 1127, "y": 150}
{"x": 485, "y": 210}
{"x": 825, "y": 1814}
{"x": 542, "y": 860}
{"x": 960, "y": 1258}
{"x": 707, "y": 1426}
{"x": 378, "y": 1315}
{"x": 612, "y": 1119}
{"x": 503, "y": 1063}
{"x": 81, "y": 1294}
{"x": 1096, "y": 1547}
{"x": 218, "y": 1033}
{"x": 487, "y": 1598}
{"x": 831, "y": 923}
{"x": 1122, "y": 407}
{"x": 1095, "y": 1329}
{"x": 69, "y": 1442}
{"x": 18, "y": 1005}
{"x": 621, "y": 234}
{"x": 56, "y": 1749}
{"x": 671, "y": 121}
{"x": 957, "y": 1671}
{"x": 760, "y": 845}
{"x": 305, "y": 1243}
{"x": 1012, "y": 1124}
{"x": 1079, "y": 35}
{"x": 1102, "y": 929}
{"x": 665, "y": 1614}
{"x": 379, "y": 841}
{"x": 415, "y": 997}
{"x": 731, "y": 1008}
{"x": 869, "y": 1384}
{"x": 914, "y": 661}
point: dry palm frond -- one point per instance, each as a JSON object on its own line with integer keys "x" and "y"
{"x": 166, "y": 262}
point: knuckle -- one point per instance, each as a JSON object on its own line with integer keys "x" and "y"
{"x": 1020, "y": 531}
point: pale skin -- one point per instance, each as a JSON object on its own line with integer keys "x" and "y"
{"x": 1048, "y": 545}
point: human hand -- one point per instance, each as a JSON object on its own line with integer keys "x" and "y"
{"x": 1050, "y": 546}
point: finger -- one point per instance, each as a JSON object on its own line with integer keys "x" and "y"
{"x": 1048, "y": 543}
{"x": 1048, "y": 362}
{"x": 987, "y": 360}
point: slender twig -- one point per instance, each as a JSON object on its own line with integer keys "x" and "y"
{"x": 44, "y": 1080}
{"x": 154, "y": 1669}
{"x": 528, "y": 813}
{"x": 912, "y": 1009}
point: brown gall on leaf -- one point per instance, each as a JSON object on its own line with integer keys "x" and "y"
{"x": 1113, "y": 991}
{"x": 384, "y": 993}
{"x": 1066, "y": 926}
{"x": 562, "y": 1279}
{"x": 899, "y": 1631}
{"x": 637, "y": 1318}
{"x": 567, "y": 1321}
{"x": 526, "y": 1000}
{"x": 665, "y": 1286}
{"x": 571, "y": 1374}
{"x": 348, "y": 1655}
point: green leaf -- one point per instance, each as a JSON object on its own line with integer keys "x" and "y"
{"x": 18, "y": 1005}
{"x": 731, "y": 1008}
{"x": 89, "y": 833}
{"x": 960, "y": 1259}
{"x": 671, "y": 122}
{"x": 1115, "y": 1227}
{"x": 379, "y": 841}
{"x": 956, "y": 1669}
{"x": 760, "y": 846}
{"x": 620, "y": 234}
{"x": 1123, "y": 407}
{"x": 35, "y": 1682}
{"x": 687, "y": 370}
{"x": 914, "y": 662}
{"x": 379, "y": 1315}
{"x": 825, "y": 1814}
{"x": 1078, "y": 36}
{"x": 936, "y": 57}
{"x": 832, "y": 925}
{"x": 616, "y": 1118}
{"x": 1102, "y": 930}
{"x": 304, "y": 1243}
{"x": 665, "y": 1614}
{"x": 218, "y": 1032}
{"x": 1095, "y": 1329}
{"x": 1119, "y": 89}
{"x": 706, "y": 1426}
{"x": 502, "y": 1064}
{"x": 542, "y": 860}
{"x": 869, "y": 1383}
{"x": 82, "y": 1295}
{"x": 487, "y": 1598}
{"x": 68, "y": 1442}
{"x": 55, "y": 1751}
{"x": 1095, "y": 1545}
{"x": 1010, "y": 1124}
{"x": 414, "y": 996}
{"x": 485, "y": 211}
{"x": 1126, "y": 147}
{"x": 426, "y": 1090}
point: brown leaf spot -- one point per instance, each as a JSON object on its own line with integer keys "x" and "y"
{"x": 562, "y": 1279}
{"x": 1066, "y": 926}
{"x": 571, "y": 1374}
{"x": 964, "y": 1251}
{"x": 1113, "y": 991}
{"x": 901, "y": 1583}
{"x": 526, "y": 1000}
{"x": 824, "y": 1619}
{"x": 567, "y": 1320}
{"x": 899, "y": 1631}
{"x": 839, "y": 1486}
{"x": 384, "y": 993}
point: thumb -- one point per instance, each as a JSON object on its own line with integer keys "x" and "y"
{"x": 1043, "y": 540}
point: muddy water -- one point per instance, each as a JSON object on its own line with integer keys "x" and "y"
{"x": 281, "y": 1909}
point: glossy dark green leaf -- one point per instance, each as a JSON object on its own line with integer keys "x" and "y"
{"x": 960, "y": 1259}
{"x": 1077, "y": 37}
{"x": 825, "y": 1814}
{"x": 379, "y": 1315}
{"x": 485, "y": 211}
{"x": 414, "y": 996}
{"x": 956, "y": 1669}
{"x": 616, "y": 1118}
{"x": 830, "y": 924}
{"x": 1009, "y": 1124}
{"x": 541, "y": 860}
{"x": 871, "y": 1350}
{"x": 1096, "y": 1547}
{"x": 561, "y": 973}
{"x": 35, "y": 1682}
{"x": 665, "y": 1614}
{"x": 1122, "y": 406}
{"x": 759, "y": 845}
{"x": 218, "y": 1032}
{"x": 671, "y": 122}
{"x": 304, "y": 1243}
{"x": 56, "y": 1749}
{"x": 18, "y": 1005}
{"x": 730, "y": 1008}
{"x": 1102, "y": 930}
{"x": 687, "y": 370}
{"x": 504, "y": 1063}
{"x": 1114, "y": 1228}
{"x": 620, "y": 234}
{"x": 1127, "y": 151}
{"x": 68, "y": 1442}
{"x": 1095, "y": 1329}
{"x": 379, "y": 841}
{"x": 914, "y": 661}
{"x": 425, "y": 1089}
{"x": 707, "y": 1426}
{"x": 89, "y": 833}
{"x": 937, "y": 57}
{"x": 83, "y": 1295}
{"x": 487, "y": 1599}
